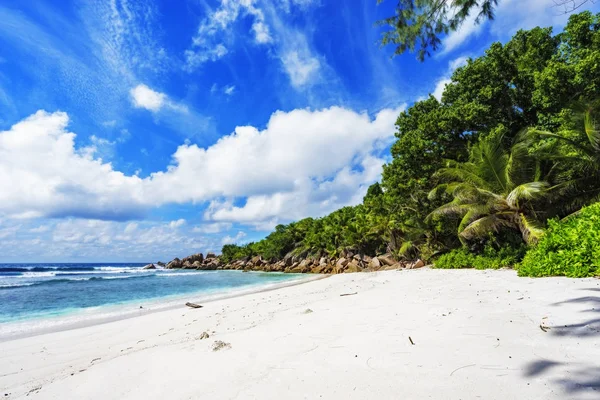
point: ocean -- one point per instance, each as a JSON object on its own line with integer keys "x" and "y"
{"x": 46, "y": 291}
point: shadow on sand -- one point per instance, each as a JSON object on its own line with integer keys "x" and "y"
{"x": 574, "y": 378}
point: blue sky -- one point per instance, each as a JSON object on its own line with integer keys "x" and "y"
{"x": 144, "y": 130}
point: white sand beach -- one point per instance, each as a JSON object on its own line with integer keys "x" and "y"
{"x": 411, "y": 334}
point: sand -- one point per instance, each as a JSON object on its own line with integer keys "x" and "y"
{"x": 413, "y": 334}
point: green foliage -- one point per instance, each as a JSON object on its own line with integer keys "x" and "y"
{"x": 509, "y": 145}
{"x": 420, "y": 23}
{"x": 231, "y": 252}
{"x": 490, "y": 258}
{"x": 570, "y": 247}
{"x": 494, "y": 190}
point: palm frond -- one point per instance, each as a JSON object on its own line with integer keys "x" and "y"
{"x": 465, "y": 173}
{"x": 482, "y": 226}
{"x": 531, "y": 229}
{"x": 526, "y": 191}
{"x": 591, "y": 129}
{"x": 573, "y": 143}
{"x": 492, "y": 161}
{"x": 449, "y": 209}
{"x": 475, "y": 212}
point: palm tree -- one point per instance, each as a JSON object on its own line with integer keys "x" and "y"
{"x": 575, "y": 158}
{"x": 494, "y": 190}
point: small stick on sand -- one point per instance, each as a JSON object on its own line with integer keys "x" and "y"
{"x": 193, "y": 305}
{"x": 411, "y": 341}
{"x": 348, "y": 294}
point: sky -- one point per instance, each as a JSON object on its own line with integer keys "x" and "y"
{"x": 145, "y": 130}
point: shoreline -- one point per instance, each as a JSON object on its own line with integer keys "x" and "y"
{"x": 421, "y": 333}
{"x": 88, "y": 317}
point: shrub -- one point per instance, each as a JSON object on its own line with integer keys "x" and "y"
{"x": 490, "y": 258}
{"x": 570, "y": 247}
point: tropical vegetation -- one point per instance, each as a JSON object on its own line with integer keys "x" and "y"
{"x": 496, "y": 167}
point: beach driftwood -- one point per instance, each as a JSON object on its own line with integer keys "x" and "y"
{"x": 348, "y": 294}
{"x": 193, "y": 305}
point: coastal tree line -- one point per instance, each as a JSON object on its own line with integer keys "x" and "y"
{"x": 505, "y": 160}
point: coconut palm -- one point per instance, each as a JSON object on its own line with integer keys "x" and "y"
{"x": 494, "y": 190}
{"x": 575, "y": 155}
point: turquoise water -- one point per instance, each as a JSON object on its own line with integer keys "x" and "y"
{"x": 46, "y": 290}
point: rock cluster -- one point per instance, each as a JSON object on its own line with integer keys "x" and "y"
{"x": 196, "y": 261}
{"x": 300, "y": 264}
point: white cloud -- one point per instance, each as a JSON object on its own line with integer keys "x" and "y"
{"x": 110, "y": 240}
{"x": 110, "y": 124}
{"x": 177, "y": 224}
{"x": 233, "y": 239}
{"x": 208, "y": 44}
{"x": 512, "y": 15}
{"x": 215, "y": 36}
{"x": 262, "y": 33}
{"x": 307, "y": 198}
{"x": 229, "y": 90}
{"x": 301, "y": 155}
{"x": 440, "y": 85}
{"x": 287, "y": 5}
{"x": 40, "y": 229}
{"x": 301, "y": 67}
{"x": 468, "y": 30}
{"x": 48, "y": 176}
{"x": 144, "y": 97}
{"x": 214, "y": 227}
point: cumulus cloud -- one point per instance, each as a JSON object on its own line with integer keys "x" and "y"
{"x": 316, "y": 160}
{"x": 144, "y": 97}
{"x": 49, "y": 176}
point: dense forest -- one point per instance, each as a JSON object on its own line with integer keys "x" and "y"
{"x": 492, "y": 173}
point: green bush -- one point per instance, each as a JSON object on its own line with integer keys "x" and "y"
{"x": 570, "y": 247}
{"x": 490, "y": 258}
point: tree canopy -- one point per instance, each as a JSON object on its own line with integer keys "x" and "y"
{"x": 419, "y": 25}
{"x": 513, "y": 142}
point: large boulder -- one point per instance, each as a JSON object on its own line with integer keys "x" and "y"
{"x": 387, "y": 259}
{"x": 375, "y": 264}
{"x": 194, "y": 257}
{"x": 288, "y": 259}
{"x": 323, "y": 261}
{"x": 353, "y": 266}
{"x": 292, "y": 267}
{"x": 149, "y": 266}
{"x": 393, "y": 267}
{"x": 417, "y": 264}
{"x": 342, "y": 262}
{"x": 175, "y": 263}
{"x": 278, "y": 266}
{"x": 256, "y": 260}
{"x": 211, "y": 255}
{"x": 188, "y": 265}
